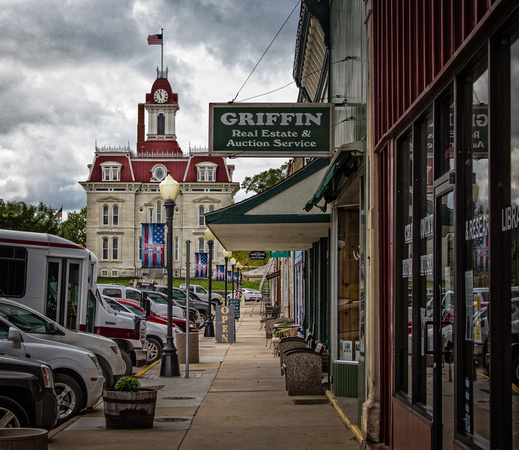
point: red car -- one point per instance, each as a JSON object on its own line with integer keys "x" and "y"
{"x": 134, "y": 306}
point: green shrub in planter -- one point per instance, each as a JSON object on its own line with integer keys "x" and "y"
{"x": 128, "y": 384}
{"x": 128, "y": 406}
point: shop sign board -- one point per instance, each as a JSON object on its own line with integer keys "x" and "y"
{"x": 224, "y": 324}
{"x": 280, "y": 254}
{"x": 271, "y": 129}
{"x": 257, "y": 255}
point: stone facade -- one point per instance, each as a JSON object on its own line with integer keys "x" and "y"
{"x": 123, "y": 193}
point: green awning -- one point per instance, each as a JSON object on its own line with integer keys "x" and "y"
{"x": 344, "y": 165}
{"x": 274, "y": 219}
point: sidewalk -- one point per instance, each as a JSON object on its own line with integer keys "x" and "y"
{"x": 235, "y": 398}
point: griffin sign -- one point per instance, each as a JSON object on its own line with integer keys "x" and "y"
{"x": 270, "y": 129}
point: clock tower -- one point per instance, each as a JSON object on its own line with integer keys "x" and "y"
{"x": 158, "y": 137}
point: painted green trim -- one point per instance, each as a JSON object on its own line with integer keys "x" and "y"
{"x": 242, "y": 208}
{"x": 237, "y": 219}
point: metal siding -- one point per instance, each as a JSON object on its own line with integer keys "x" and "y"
{"x": 345, "y": 380}
{"x": 413, "y": 42}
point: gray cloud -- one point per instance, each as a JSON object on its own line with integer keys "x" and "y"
{"x": 73, "y": 72}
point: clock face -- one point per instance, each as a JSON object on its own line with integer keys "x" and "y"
{"x": 160, "y": 96}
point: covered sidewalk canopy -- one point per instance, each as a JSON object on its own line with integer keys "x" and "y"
{"x": 275, "y": 219}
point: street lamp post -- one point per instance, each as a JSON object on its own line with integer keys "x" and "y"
{"x": 233, "y": 263}
{"x": 226, "y": 255}
{"x": 170, "y": 367}
{"x": 209, "y": 327}
{"x": 238, "y": 280}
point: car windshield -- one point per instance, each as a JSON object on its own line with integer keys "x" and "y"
{"x": 26, "y": 321}
{"x": 157, "y": 298}
{"x": 115, "y": 305}
{"x": 134, "y": 309}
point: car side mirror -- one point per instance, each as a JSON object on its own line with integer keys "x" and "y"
{"x": 15, "y": 337}
{"x": 53, "y": 329}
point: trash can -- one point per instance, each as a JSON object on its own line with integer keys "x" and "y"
{"x": 180, "y": 344}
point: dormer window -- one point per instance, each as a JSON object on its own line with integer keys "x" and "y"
{"x": 111, "y": 171}
{"x": 206, "y": 171}
{"x": 159, "y": 172}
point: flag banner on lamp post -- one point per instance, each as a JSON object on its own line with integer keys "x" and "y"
{"x": 153, "y": 245}
{"x": 229, "y": 276}
{"x": 220, "y": 272}
{"x": 201, "y": 264}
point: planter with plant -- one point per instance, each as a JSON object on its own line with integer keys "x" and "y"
{"x": 128, "y": 406}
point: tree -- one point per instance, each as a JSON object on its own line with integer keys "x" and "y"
{"x": 74, "y": 228}
{"x": 264, "y": 180}
{"x": 22, "y": 217}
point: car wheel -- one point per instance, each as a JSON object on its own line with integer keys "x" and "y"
{"x": 12, "y": 415}
{"x": 216, "y": 301}
{"x": 515, "y": 371}
{"x": 107, "y": 372}
{"x": 203, "y": 318}
{"x": 128, "y": 362}
{"x": 154, "y": 350}
{"x": 70, "y": 397}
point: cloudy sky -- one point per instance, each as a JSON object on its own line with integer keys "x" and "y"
{"x": 73, "y": 71}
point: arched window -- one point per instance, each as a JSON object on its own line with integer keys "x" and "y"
{"x": 105, "y": 248}
{"x": 161, "y": 124}
{"x": 201, "y": 218}
{"x": 105, "y": 215}
{"x": 211, "y": 208}
{"x": 159, "y": 212}
{"x": 115, "y": 215}
{"x": 201, "y": 245}
{"x": 176, "y": 244}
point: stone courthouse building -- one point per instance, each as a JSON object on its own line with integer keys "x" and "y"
{"x": 123, "y": 192}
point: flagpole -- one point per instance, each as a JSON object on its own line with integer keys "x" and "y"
{"x": 162, "y": 54}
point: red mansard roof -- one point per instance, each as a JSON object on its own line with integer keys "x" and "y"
{"x": 138, "y": 169}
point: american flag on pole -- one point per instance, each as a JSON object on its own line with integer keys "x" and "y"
{"x": 155, "y": 39}
{"x": 201, "y": 265}
{"x": 58, "y": 214}
{"x": 153, "y": 245}
{"x": 238, "y": 287}
{"x": 220, "y": 273}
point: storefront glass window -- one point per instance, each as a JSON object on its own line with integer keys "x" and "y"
{"x": 514, "y": 212}
{"x": 425, "y": 308}
{"x": 348, "y": 298}
{"x": 477, "y": 276}
{"x": 403, "y": 264}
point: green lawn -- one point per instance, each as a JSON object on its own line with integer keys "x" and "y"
{"x": 216, "y": 285}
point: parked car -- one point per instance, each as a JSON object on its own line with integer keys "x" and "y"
{"x": 159, "y": 304}
{"x": 30, "y": 321}
{"x": 27, "y": 396}
{"x": 155, "y": 332}
{"x": 194, "y": 301}
{"x": 252, "y": 294}
{"x": 179, "y": 324}
{"x": 203, "y": 294}
{"x": 78, "y": 377}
